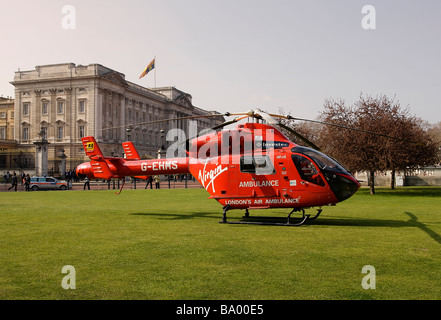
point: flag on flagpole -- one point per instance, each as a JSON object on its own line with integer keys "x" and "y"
{"x": 149, "y": 68}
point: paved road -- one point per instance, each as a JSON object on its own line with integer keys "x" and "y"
{"x": 99, "y": 185}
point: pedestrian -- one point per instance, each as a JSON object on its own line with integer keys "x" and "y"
{"x": 13, "y": 182}
{"x": 157, "y": 180}
{"x": 86, "y": 183}
{"x": 27, "y": 182}
{"x": 68, "y": 175}
{"x": 149, "y": 182}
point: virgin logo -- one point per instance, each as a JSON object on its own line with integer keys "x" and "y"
{"x": 207, "y": 177}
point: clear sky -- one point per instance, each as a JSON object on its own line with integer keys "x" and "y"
{"x": 236, "y": 55}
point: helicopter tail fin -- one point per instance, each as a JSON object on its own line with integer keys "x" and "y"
{"x": 132, "y": 154}
{"x": 98, "y": 163}
{"x": 91, "y": 148}
{"x": 130, "y": 151}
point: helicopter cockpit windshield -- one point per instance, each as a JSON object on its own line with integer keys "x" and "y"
{"x": 324, "y": 162}
{"x": 339, "y": 179}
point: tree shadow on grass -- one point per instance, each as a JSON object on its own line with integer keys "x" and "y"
{"x": 414, "y": 222}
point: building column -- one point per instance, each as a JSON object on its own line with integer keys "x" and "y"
{"x": 35, "y": 116}
{"x": 68, "y": 115}
{"x": 51, "y": 130}
{"x": 97, "y": 123}
{"x": 17, "y": 116}
{"x": 122, "y": 118}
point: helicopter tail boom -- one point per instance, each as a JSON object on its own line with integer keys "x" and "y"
{"x": 106, "y": 168}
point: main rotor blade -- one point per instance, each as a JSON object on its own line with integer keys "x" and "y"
{"x": 167, "y": 120}
{"x": 288, "y": 117}
{"x": 298, "y": 135}
{"x": 187, "y": 141}
{"x": 349, "y": 128}
{"x": 219, "y": 126}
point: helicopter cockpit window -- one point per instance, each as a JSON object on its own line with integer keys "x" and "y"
{"x": 307, "y": 170}
{"x": 324, "y": 162}
{"x": 257, "y": 164}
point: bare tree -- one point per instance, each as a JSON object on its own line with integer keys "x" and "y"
{"x": 435, "y": 133}
{"x": 401, "y": 140}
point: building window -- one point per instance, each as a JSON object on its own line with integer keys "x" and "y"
{"x": 60, "y": 107}
{"x": 60, "y": 133}
{"x": 81, "y": 131}
{"x": 25, "y": 133}
{"x": 3, "y": 115}
{"x": 3, "y": 133}
{"x": 44, "y": 107}
{"x": 26, "y": 108}
{"x": 82, "y": 106}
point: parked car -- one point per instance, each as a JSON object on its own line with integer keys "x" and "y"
{"x": 47, "y": 183}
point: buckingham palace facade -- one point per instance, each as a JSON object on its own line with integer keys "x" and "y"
{"x": 66, "y": 102}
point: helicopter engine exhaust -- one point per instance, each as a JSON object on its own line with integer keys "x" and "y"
{"x": 85, "y": 170}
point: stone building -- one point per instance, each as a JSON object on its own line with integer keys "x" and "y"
{"x": 6, "y": 118}
{"x": 68, "y": 101}
{"x": 11, "y": 156}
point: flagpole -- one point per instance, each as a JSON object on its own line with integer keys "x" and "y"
{"x": 155, "y": 72}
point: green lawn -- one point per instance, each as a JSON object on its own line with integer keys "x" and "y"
{"x": 168, "y": 244}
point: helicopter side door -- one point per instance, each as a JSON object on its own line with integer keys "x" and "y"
{"x": 307, "y": 171}
{"x": 253, "y": 176}
{"x": 290, "y": 182}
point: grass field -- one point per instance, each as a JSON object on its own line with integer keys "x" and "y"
{"x": 168, "y": 244}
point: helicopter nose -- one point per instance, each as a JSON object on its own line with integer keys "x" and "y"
{"x": 343, "y": 186}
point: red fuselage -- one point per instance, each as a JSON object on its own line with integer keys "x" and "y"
{"x": 254, "y": 166}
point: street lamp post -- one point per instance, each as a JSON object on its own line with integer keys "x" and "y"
{"x": 161, "y": 151}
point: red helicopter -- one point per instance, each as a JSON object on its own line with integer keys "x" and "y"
{"x": 254, "y": 166}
